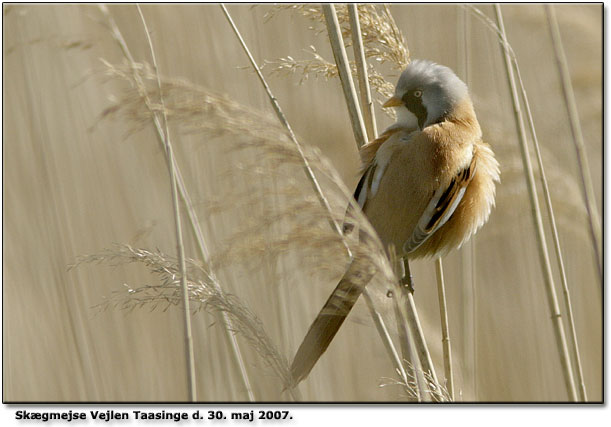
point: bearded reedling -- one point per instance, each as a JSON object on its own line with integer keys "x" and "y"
{"x": 427, "y": 185}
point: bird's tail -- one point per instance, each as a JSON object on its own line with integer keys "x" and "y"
{"x": 329, "y": 320}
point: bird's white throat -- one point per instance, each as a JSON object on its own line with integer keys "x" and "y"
{"x": 405, "y": 118}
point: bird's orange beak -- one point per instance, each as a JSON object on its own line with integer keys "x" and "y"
{"x": 392, "y": 102}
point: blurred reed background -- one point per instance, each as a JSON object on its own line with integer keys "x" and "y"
{"x": 77, "y": 181}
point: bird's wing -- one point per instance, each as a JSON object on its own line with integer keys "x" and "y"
{"x": 370, "y": 162}
{"x": 368, "y": 151}
{"x": 368, "y": 169}
{"x": 441, "y": 207}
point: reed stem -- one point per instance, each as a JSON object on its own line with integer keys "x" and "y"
{"x": 361, "y": 72}
{"x": 587, "y": 192}
{"x": 445, "y": 329}
{"x": 343, "y": 67}
{"x": 405, "y": 340}
{"x": 417, "y": 333}
{"x": 538, "y": 223}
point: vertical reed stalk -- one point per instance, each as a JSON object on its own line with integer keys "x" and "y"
{"x": 416, "y": 332}
{"x": 410, "y": 359}
{"x": 407, "y": 349}
{"x": 556, "y": 240}
{"x": 361, "y": 72}
{"x": 445, "y": 329}
{"x": 186, "y": 199}
{"x": 420, "y": 342}
{"x": 473, "y": 313}
{"x": 586, "y": 186}
{"x": 580, "y": 149}
{"x": 343, "y": 67}
{"x": 190, "y": 359}
{"x": 550, "y": 211}
{"x": 538, "y": 223}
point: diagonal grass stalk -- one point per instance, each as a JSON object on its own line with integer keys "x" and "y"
{"x": 308, "y": 169}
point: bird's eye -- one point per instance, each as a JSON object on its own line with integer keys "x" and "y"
{"x": 417, "y": 93}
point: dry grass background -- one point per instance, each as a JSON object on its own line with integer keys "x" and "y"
{"x": 74, "y": 184}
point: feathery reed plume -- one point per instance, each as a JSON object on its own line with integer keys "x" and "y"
{"x": 411, "y": 387}
{"x": 318, "y": 66}
{"x": 381, "y": 38}
{"x": 136, "y": 81}
{"x": 203, "y": 294}
{"x": 192, "y": 109}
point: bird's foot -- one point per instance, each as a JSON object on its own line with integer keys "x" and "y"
{"x": 408, "y": 282}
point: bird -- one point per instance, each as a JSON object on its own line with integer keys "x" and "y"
{"x": 427, "y": 184}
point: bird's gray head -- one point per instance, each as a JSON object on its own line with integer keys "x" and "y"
{"x": 426, "y": 93}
